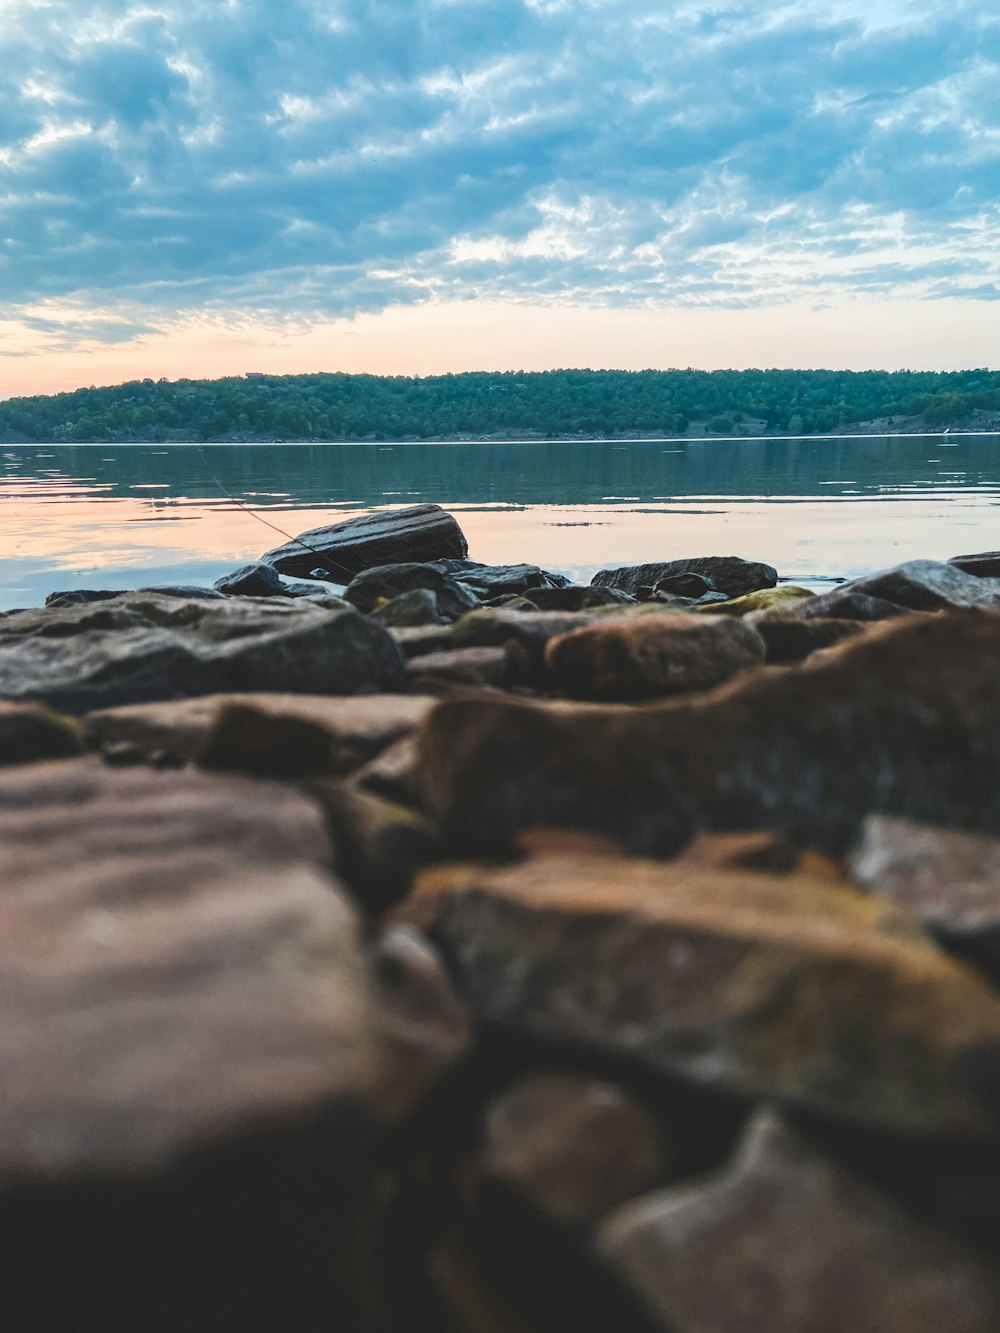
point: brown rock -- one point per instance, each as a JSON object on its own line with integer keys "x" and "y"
{"x": 29, "y": 732}
{"x": 460, "y": 666}
{"x": 764, "y": 986}
{"x": 644, "y": 656}
{"x": 761, "y": 849}
{"x": 787, "y": 1240}
{"x": 394, "y": 772}
{"x": 904, "y": 719}
{"x": 188, "y": 1055}
{"x": 572, "y": 1147}
{"x": 788, "y": 640}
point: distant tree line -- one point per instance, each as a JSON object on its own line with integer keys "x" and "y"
{"x": 547, "y": 404}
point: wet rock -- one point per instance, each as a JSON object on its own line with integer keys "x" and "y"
{"x": 571, "y": 1147}
{"x": 725, "y": 573}
{"x": 790, "y": 640}
{"x": 573, "y": 598}
{"x": 904, "y": 719}
{"x": 29, "y": 733}
{"x": 930, "y": 585}
{"x": 257, "y": 580}
{"x": 500, "y": 580}
{"x": 752, "y": 984}
{"x": 984, "y": 565}
{"x": 143, "y": 646}
{"x": 188, "y": 1053}
{"x": 461, "y": 666}
{"x": 388, "y": 581}
{"x": 786, "y": 1240}
{"x": 415, "y": 608}
{"x": 767, "y": 599}
{"x": 385, "y": 536}
{"x": 644, "y": 656}
{"x": 949, "y": 879}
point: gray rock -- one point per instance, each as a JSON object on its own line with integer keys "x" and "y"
{"x": 388, "y": 581}
{"x": 573, "y": 598}
{"x": 410, "y": 610}
{"x": 461, "y": 666}
{"x": 930, "y": 585}
{"x": 725, "y": 573}
{"x": 787, "y": 1240}
{"x": 146, "y": 646}
{"x": 846, "y": 603}
{"x": 381, "y": 537}
{"x": 492, "y": 627}
{"x": 986, "y": 564}
{"x": 257, "y": 580}
{"x": 500, "y": 580}
{"x": 788, "y": 639}
{"x": 419, "y": 639}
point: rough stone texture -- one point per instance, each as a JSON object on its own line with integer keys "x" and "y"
{"x": 188, "y": 1055}
{"x": 85, "y": 596}
{"x": 388, "y": 581}
{"x": 493, "y": 627}
{"x": 949, "y": 879}
{"x": 572, "y": 1147}
{"x": 788, "y": 640}
{"x": 985, "y": 564}
{"x": 846, "y": 603}
{"x": 786, "y": 1240}
{"x": 381, "y": 537}
{"x": 904, "y": 720}
{"x": 726, "y": 573}
{"x": 257, "y": 580}
{"x": 29, "y": 733}
{"x": 142, "y": 647}
{"x": 461, "y": 666}
{"x": 785, "y": 987}
{"x": 416, "y": 608}
{"x": 358, "y": 726}
{"x": 641, "y": 657}
{"x": 500, "y": 580}
{"x": 767, "y": 599}
{"x": 930, "y": 585}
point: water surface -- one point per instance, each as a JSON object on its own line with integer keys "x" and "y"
{"x": 122, "y": 516}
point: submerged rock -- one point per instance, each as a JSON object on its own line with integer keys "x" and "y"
{"x": 724, "y": 573}
{"x": 644, "y": 656}
{"x": 339, "y": 551}
{"x": 786, "y": 1239}
{"x": 143, "y": 646}
{"x": 758, "y": 985}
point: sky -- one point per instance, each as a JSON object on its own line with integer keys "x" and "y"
{"x": 204, "y": 187}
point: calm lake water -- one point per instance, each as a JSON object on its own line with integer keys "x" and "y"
{"x": 123, "y": 516}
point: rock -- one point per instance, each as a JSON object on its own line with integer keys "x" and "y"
{"x": 491, "y": 628}
{"x": 790, "y": 640}
{"x": 416, "y": 608}
{"x": 786, "y": 1240}
{"x": 725, "y": 573}
{"x": 767, "y": 599}
{"x": 380, "y": 843}
{"x": 682, "y": 585}
{"x": 414, "y": 642}
{"x": 388, "y": 581}
{"x": 984, "y": 565}
{"x": 460, "y": 666}
{"x": 949, "y": 879}
{"x": 381, "y": 537}
{"x": 394, "y": 771}
{"x": 762, "y": 850}
{"x": 257, "y": 580}
{"x": 29, "y": 733}
{"x": 500, "y": 580}
{"x": 574, "y": 598}
{"x": 143, "y": 647}
{"x": 86, "y": 596}
{"x": 844, "y": 603}
{"x": 930, "y": 585}
{"x": 758, "y": 985}
{"x": 81, "y": 596}
{"x": 904, "y": 720}
{"x": 188, "y": 1046}
{"x": 572, "y": 1147}
{"x": 644, "y": 656}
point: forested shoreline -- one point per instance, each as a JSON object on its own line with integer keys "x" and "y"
{"x": 548, "y": 404}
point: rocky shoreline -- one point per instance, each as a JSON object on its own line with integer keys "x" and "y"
{"x": 396, "y": 942}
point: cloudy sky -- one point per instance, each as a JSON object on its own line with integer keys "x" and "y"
{"x": 208, "y": 186}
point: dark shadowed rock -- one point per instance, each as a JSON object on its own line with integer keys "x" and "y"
{"x": 790, "y": 640}
{"x": 144, "y": 646}
{"x": 257, "y": 580}
{"x": 187, "y": 1040}
{"x": 930, "y": 585}
{"x": 683, "y": 585}
{"x": 573, "y": 598}
{"x": 641, "y": 657}
{"x": 85, "y": 596}
{"x": 394, "y": 771}
{"x": 415, "y": 640}
{"x": 846, "y": 603}
{"x": 725, "y": 573}
{"x": 80, "y": 596}
{"x": 500, "y": 580}
{"x": 571, "y": 1147}
{"x": 29, "y": 732}
{"x": 787, "y": 1240}
{"x": 787, "y": 987}
{"x": 984, "y": 565}
{"x": 461, "y": 666}
{"x": 385, "y": 536}
{"x": 949, "y": 879}
{"x": 493, "y": 627}
{"x": 904, "y": 719}
{"x": 416, "y": 608}
{"x": 385, "y": 582}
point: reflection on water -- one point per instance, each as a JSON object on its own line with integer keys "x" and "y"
{"x": 123, "y": 515}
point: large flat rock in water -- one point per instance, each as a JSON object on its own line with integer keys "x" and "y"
{"x": 143, "y": 646}
{"x": 185, "y": 1039}
{"x": 786, "y": 987}
{"x": 384, "y": 537}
